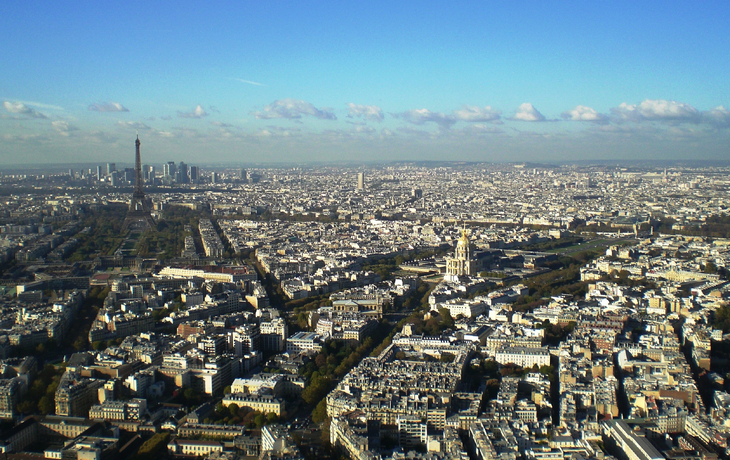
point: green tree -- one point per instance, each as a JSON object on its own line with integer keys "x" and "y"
{"x": 259, "y": 420}
{"x": 320, "y": 412}
{"x": 47, "y": 405}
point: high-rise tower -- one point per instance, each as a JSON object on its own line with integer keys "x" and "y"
{"x": 138, "y": 216}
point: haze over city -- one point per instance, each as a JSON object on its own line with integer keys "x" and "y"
{"x": 368, "y": 82}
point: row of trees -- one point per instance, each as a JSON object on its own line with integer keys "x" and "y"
{"x": 104, "y": 237}
{"x": 387, "y": 266}
{"x": 334, "y": 361}
{"x": 41, "y": 396}
{"x": 563, "y": 279}
{"x": 235, "y": 415}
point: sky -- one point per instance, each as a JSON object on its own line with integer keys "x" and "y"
{"x": 363, "y": 82}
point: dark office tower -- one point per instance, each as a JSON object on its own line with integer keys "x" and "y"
{"x": 242, "y": 175}
{"x": 169, "y": 169}
{"x": 71, "y": 173}
{"x": 98, "y": 173}
{"x": 194, "y": 174}
{"x": 138, "y": 216}
{"x": 110, "y": 168}
{"x": 213, "y": 177}
{"x": 129, "y": 176}
{"x": 183, "y": 170}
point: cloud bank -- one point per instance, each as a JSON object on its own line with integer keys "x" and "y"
{"x": 368, "y": 112}
{"x": 478, "y": 114}
{"x": 656, "y": 110}
{"x": 197, "y": 112}
{"x": 526, "y": 112}
{"x": 108, "y": 107}
{"x": 19, "y": 108}
{"x": 583, "y": 113}
{"x": 293, "y": 109}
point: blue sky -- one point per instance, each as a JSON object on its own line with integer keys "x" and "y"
{"x": 363, "y": 81}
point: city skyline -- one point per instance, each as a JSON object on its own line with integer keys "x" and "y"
{"x": 287, "y": 83}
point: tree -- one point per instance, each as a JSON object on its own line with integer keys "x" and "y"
{"x": 259, "y": 420}
{"x": 320, "y": 412}
{"x": 447, "y": 358}
{"x": 233, "y": 409}
{"x": 320, "y": 361}
{"x": 47, "y": 405}
{"x": 26, "y": 407}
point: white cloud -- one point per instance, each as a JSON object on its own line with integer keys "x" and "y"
{"x": 293, "y": 109}
{"x": 42, "y": 105}
{"x": 526, "y": 112}
{"x": 478, "y": 114}
{"x": 220, "y": 124}
{"x": 583, "y": 113}
{"x": 719, "y": 117}
{"x": 657, "y": 110}
{"x": 63, "y": 128}
{"x": 421, "y": 116}
{"x": 101, "y": 137}
{"x": 363, "y": 129}
{"x": 22, "y": 109}
{"x": 138, "y": 125}
{"x": 197, "y": 112}
{"x": 108, "y": 107}
{"x": 482, "y": 129}
{"x": 249, "y": 82}
{"x": 26, "y": 138}
{"x": 368, "y": 112}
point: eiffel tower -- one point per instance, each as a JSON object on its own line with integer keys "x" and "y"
{"x": 138, "y": 216}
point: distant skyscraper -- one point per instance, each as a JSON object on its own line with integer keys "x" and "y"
{"x": 169, "y": 169}
{"x": 361, "y": 181}
{"x": 110, "y": 168}
{"x": 98, "y": 172}
{"x": 129, "y": 176}
{"x": 242, "y": 175}
{"x": 183, "y": 172}
{"x": 213, "y": 177}
{"x": 194, "y": 174}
